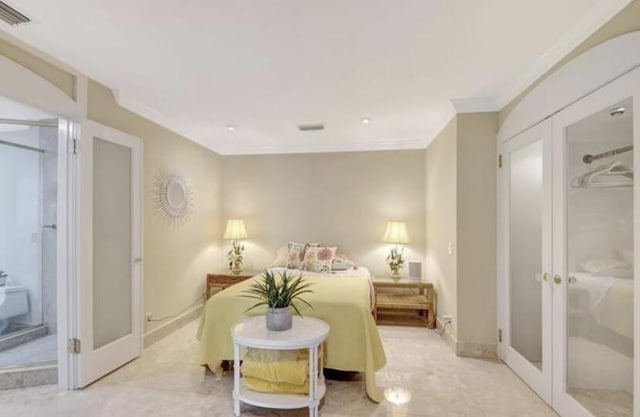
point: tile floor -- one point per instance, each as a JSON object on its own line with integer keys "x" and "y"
{"x": 167, "y": 382}
{"x": 36, "y": 351}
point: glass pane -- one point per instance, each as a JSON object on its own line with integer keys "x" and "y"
{"x": 525, "y": 250}
{"x": 112, "y": 272}
{"x": 28, "y": 176}
{"x": 600, "y": 262}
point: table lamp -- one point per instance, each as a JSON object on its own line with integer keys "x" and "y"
{"x": 396, "y": 233}
{"x": 235, "y": 231}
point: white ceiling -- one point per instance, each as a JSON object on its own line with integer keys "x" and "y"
{"x": 266, "y": 66}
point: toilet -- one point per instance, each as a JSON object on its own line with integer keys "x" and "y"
{"x": 13, "y": 302}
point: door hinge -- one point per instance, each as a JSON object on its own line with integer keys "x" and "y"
{"x": 499, "y": 160}
{"x": 74, "y": 146}
{"x": 73, "y": 346}
{"x": 499, "y": 335}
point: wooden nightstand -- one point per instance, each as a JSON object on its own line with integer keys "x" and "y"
{"x": 411, "y": 306}
{"x": 223, "y": 280}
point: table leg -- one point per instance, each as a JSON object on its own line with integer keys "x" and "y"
{"x": 236, "y": 379}
{"x": 313, "y": 381}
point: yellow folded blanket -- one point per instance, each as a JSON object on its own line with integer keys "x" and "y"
{"x": 257, "y": 384}
{"x": 278, "y": 366}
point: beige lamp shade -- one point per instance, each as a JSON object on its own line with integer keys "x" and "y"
{"x": 396, "y": 233}
{"x": 235, "y": 230}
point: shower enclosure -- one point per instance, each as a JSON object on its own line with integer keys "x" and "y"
{"x": 28, "y": 207}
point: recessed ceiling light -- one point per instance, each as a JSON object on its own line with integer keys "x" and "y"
{"x": 231, "y": 128}
{"x": 365, "y": 120}
{"x": 618, "y": 111}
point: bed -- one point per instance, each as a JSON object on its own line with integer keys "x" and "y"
{"x": 609, "y": 300}
{"x": 343, "y": 299}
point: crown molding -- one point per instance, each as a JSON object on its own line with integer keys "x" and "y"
{"x": 323, "y": 148}
{"x": 475, "y": 104}
{"x": 600, "y": 14}
{"x": 128, "y": 102}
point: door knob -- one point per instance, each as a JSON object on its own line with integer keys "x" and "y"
{"x": 542, "y": 278}
{"x": 557, "y": 279}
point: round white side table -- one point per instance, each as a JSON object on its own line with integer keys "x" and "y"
{"x": 307, "y": 332}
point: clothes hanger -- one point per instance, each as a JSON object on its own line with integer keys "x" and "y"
{"x": 614, "y": 174}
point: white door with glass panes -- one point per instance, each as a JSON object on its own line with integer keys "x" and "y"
{"x": 525, "y": 240}
{"x": 595, "y": 230}
{"x": 569, "y": 222}
{"x": 109, "y": 278}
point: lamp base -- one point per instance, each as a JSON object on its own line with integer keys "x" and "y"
{"x": 395, "y": 275}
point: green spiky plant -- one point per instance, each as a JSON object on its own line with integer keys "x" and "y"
{"x": 280, "y": 293}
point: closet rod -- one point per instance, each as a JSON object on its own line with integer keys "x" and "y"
{"x": 588, "y": 158}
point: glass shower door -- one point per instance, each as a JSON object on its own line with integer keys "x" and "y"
{"x": 28, "y": 166}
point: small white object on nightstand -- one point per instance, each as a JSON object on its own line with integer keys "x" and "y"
{"x": 306, "y": 333}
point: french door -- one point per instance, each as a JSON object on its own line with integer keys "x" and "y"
{"x": 108, "y": 299}
{"x": 568, "y": 233}
{"x": 595, "y": 236}
{"x": 525, "y": 241}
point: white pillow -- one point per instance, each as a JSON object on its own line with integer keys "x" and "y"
{"x": 282, "y": 254}
{"x": 342, "y": 262}
{"x": 607, "y": 267}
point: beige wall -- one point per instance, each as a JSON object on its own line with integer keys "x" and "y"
{"x": 176, "y": 259}
{"x": 628, "y": 20}
{"x": 476, "y": 229}
{"x": 56, "y": 76}
{"x": 342, "y": 199}
{"x": 441, "y": 220}
{"x": 460, "y": 181}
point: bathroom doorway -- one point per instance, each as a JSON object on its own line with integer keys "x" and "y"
{"x": 28, "y": 240}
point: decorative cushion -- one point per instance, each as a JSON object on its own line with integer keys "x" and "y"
{"x": 319, "y": 258}
{"x": 295, "y": 255}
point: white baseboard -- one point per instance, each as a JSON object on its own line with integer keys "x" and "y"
{"x": 446, "y": 334}
{"x": 170, "y": 326}
{"x": 467, "y": 349}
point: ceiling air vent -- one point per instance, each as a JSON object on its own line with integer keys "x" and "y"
{"x": 311, "y": 127}
{"x": 11, "y": 15}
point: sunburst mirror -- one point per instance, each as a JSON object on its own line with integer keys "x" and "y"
{"x": 173, "y": 198}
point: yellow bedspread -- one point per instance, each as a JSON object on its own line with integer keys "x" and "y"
{"x": 343, "y": 302}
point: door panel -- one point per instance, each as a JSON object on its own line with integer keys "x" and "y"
{"x": 594, "y": 235}
{"x": 112, "y": 259}
{"x": 110, "y": 279}
{"x": 526, "y": 243}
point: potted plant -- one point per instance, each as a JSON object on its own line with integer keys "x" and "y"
{"x": 280, "y": 296}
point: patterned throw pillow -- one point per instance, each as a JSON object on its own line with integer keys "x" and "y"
{"x": 295, "y": 255}
{"x": 319, "y": 258}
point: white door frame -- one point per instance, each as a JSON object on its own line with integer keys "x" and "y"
{"x": 615, "y": 92}
{"x": 538, "y": 379}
